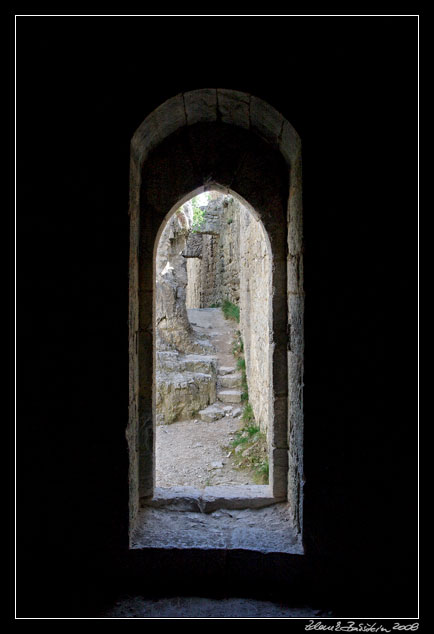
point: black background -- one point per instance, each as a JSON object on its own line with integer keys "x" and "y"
{"x": 349, "y": 87}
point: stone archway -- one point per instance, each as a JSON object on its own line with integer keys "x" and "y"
{"x": 213, "y": 335}
{"x": 233, "y": 142}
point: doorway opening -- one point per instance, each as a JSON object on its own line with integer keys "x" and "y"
{"x": 213, "y": 333}
{"x": 240, "y": 146}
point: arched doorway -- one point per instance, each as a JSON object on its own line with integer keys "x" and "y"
{"x": 214, "y": 349}
{"x": 233, "y": 142}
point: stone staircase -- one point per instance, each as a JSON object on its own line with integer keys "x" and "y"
{"x": 229, "y": 385}
{"x": 230, "y": 381}
{"x": 228, "y": 396}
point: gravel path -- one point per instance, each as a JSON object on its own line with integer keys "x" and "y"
{"x": 193, "y": 452}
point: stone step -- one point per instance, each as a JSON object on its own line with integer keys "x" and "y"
{"x": 230, "y": 380}
{"x": 175, "y": 362}
{"x": 225, "y": 369}
{"x": 229, "y": 396}
{"x": 211, "y": 413}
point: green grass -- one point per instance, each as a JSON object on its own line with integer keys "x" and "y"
{"x": 248, "y": 415}
{"x": 253, "y": 452}
{"x": 244, "y": 435}
{"x": 230, "y": 310}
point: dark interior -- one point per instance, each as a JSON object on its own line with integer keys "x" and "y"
{"x": 349, "y": 88}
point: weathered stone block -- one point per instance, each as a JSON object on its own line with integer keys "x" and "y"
{"x": 181, "y": 396}
{"x": 295, "y": 319}
{"x": 233, "y": 107}
{"x": 230, "y": 380}
{"x": 201, "y": 105}
{"x": 295, "y": 273}
{"x": 295, "y": 211}
{"x": 226, "y": 369}
{"x": 290, "y": 144}
{"x": 278, "y": 433}
{"x": 211, "y": 413}
{"x": 266, "y": 120}
{"x": 229, "y": 396}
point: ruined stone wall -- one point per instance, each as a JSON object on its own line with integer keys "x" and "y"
{"x": 217, "y": 274}
{"x": 255, "y": 316}
{"x": 209, "y": 288}
{"x": 193, "y": 299}
{"x": 235, "y": 265}
{"x": 185, "y": 373}
{"x": 173, "y": 327}
{"x": 228, "y": 267}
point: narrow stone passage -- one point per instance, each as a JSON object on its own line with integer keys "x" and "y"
{"x": 195, "y": 452}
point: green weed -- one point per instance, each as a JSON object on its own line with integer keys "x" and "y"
{"x": 230, "y": 310}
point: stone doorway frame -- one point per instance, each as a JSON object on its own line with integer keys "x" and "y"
{"x": 236, "y": 143}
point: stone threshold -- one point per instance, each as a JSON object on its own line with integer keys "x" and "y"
{"x": 211, "y": 498}
{"x": 216, "y": 518}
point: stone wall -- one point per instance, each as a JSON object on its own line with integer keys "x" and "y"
{"x": 228, "y": 267}
{"x": 172, "y": 325}
{"x": 255, "y": 315}
{"x": 185, "y": 373}
{"x": 235, "y": 264}
{"x": 209, "y": 287}
{"x": 193, "y": 299}
{"x": 217, "y": 274}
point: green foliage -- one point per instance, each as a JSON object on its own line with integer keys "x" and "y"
{"x": 252, "y": 453}
{"x": 198, "y": 215}
{"x": 244, "y": 380}
{"x": 230, "y": 310}
{"x": 248, "y": 415}
{"x": 244, "y": 435}
{"x": 262, "y": 470}
{"x": 230, "y": 221}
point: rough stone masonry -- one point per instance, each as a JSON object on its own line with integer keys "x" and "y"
{"x": 225, "y": 258}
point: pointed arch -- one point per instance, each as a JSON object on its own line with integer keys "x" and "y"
{"x": 232, "y": 141}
